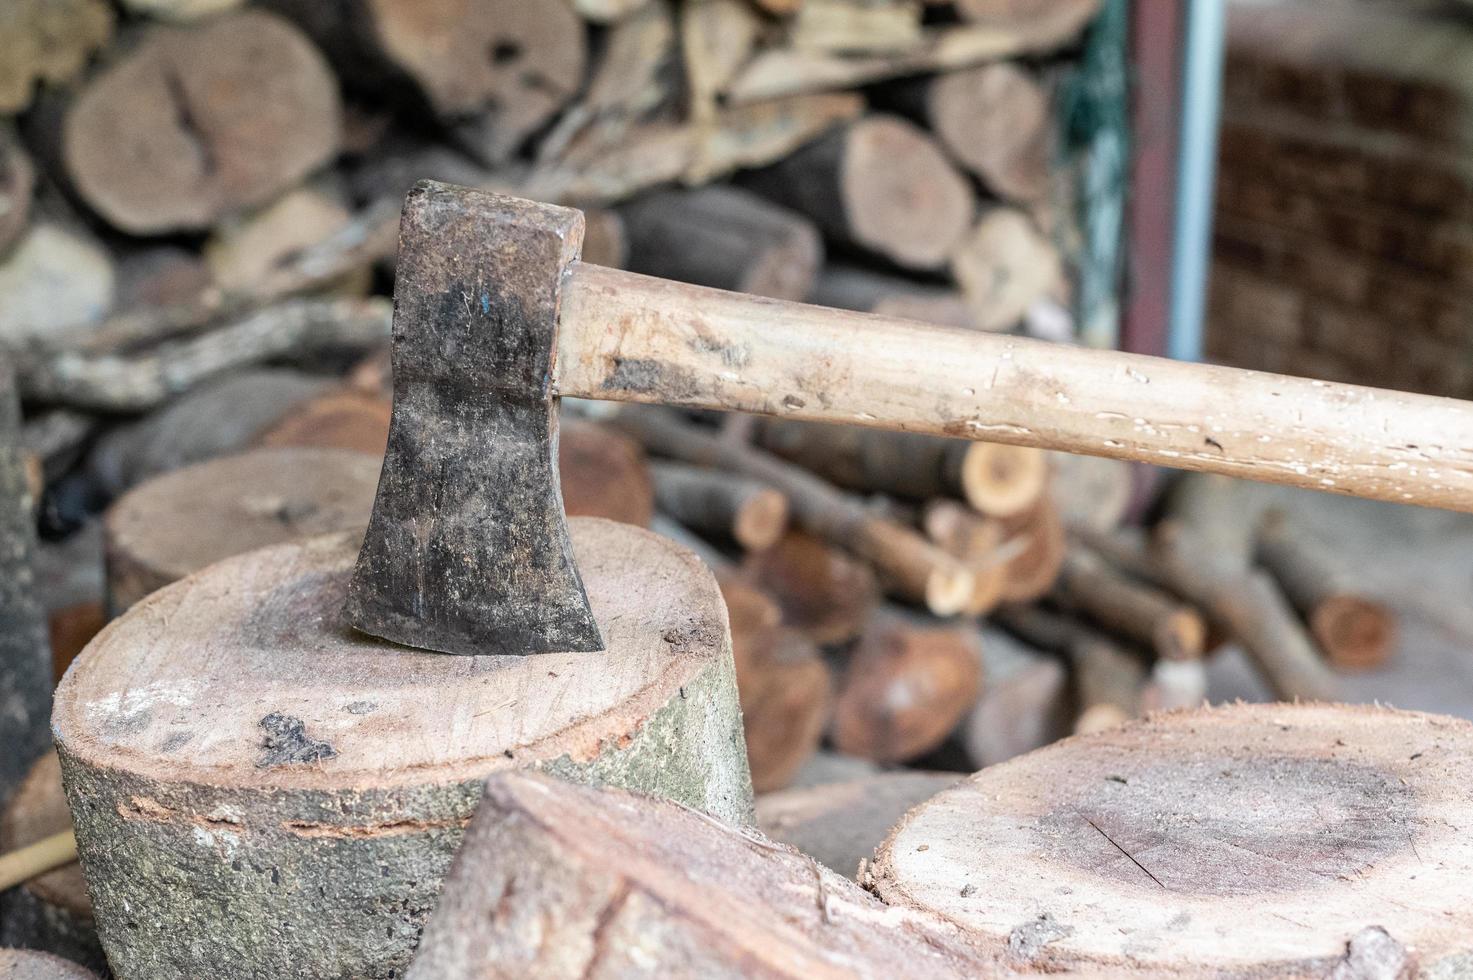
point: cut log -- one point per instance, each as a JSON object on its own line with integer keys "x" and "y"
{"x": 1175, "y": 684}
{"x": 315, "y": 759}
{"x": 908, "y": 565}
{"x": 720, "y": 505}
{"x": 866, "y": 291}
{"x": 979, "y": 542}
{"x": 195, "y": 123}
{"x": 1001, "y": 480}
{"x": 71, "y": 628}
{"x": 608, "y": 884}
{"x": 25, "y": 655}
{"x": 56, "y": 284}
{"x": 723, "y": 237}
{"x": 824, "y": 593}
{"x": 51, "y": 912}
{"x": 1025, "y": 702}
{"x": 1107, "y": 678}
{"x": 1091, "y": 491}
{"x": 783, "y": 684}
{"x": 244, "y": 250}
{"x": 17, "y": 182}
{"x": 905, "y": 687}
{"x": 606, "y": 11}
{"x": 1031, "y": 573}
{"x": 337, "y": 419}
{"x": 1004, "y": 266}
{"x": 47, "y": 41}
{"x": 604, "y": 474}
{"x": 996, "y": 119}
{"x": 604, "y": 239}
{"x": 26, "y": 964}
{"x": 1291, "y": 820}
{"x": 1355, "y": 632}
{"x": 840, "y": 824}
{"x": 248, "y": 501}
{"x": 1144, "y": 615}
{"x": 879, "y": 184}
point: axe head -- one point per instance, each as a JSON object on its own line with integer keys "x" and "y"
{"x": 467, "y": 550}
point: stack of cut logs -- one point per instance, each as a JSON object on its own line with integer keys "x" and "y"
{"x": 1345, "y": 199}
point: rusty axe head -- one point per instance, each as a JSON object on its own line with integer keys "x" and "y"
{"x": 467, "y": 550}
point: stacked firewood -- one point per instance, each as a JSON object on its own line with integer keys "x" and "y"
{"x": 1345, "y": 201}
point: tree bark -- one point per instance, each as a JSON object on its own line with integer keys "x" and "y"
{"x": 1137, "y": 612}
{"x": 330, "y": 799}
{"x": 722, "y": 506}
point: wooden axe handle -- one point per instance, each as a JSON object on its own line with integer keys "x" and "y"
{"x": 628, "y": 337}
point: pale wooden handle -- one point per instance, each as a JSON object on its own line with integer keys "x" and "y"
{"x": 46, "y": 854}
{"x": 628, "y": 337}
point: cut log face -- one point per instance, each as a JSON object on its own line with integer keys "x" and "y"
{"x": 345, "y": 419}
{"x": 25, "y": 964}
{"x": 995, "y": 119}
{"x": 1305, "y": 824}
{"x": 608, "y": 884}
{"x": 55, "y": 282}
{"x": 1004, "y": 265}
{"x": 51, "y": 912}
{"x": 604, "y": 474}
{"x": 823, "y": 592}
{"x": 178, "y": 523}
{"x": 195, "y": 123}
{"x": 322, "y": 778}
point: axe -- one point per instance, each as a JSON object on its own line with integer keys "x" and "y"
{"x": 495, "y": 318}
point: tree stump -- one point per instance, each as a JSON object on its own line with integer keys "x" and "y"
{"x": 153, "y": 535}
{"x": 260, "y": 791}
{"x": 52, "y": 912}
{"x": 23, "y": 964}
{"x": 1252, "y": 840}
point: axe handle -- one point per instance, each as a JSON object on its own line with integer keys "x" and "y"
{"x": 627, "y": 337}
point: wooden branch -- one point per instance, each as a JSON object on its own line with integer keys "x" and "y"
{"x": 1107, "y": 678}
{"x": 1144, "y": 615}
{"x": 47, "y": 854}
{"x": 604, "y": 473}
{"x": 908, "y": 564}
{"x": 721, "y": 505}
{"x": 824, "y": 592}
{"x": 1355, "y": 631}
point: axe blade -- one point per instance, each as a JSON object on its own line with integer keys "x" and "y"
{"x": 467, "y": 550}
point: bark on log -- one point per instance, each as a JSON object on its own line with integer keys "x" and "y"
{"x": 194, "y": 123}
{"x": 1290, "y": 820}
{"x": 342, "y": 418}
{"x": 1004, "y": 265}
{"x": 1025, "y": 702}
{"x": 723, "y": 237}
{"x": 867, "y": 291}
{"x": 608, "y": 884}
{"x": 1107, "y": 678}
{"x": 152, "y": 535}
{"x": 839, "y": 825}
{"x": 51, "y": 912}
{"x": 879, "y": 184}
{"x": 904, "y": 688}
{"x": 996, "y": 119}
{"x": 17, "y": 182}
{"x": 908, "y": 564}
{"x": 25, "y": 656}
{"x": 824, "y": 593}
{"x": 25, "y": 964}
{"x": 329, "y": 799}
{"x": 47, "y": 41}
{"x": 1355, "y": 631}
{"x": 1032, "y": 571}
{"x": 56, "y": 285}
{"x": 1137, "y": 612}
{"x": 604, "y": 473}
{"x": 720, "y": 505}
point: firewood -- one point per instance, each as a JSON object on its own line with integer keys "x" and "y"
{"x": 71, "y": 628}
{"x": 180, "y": 10}
{"x": 905, "y": 687}
{"x": 606, "y": 11}
{"x": 604, "y": 474}
{"x": 56, "y": 283}
{"x": 824, "y": 593}
{"x": 1091, "y": 491}
{"x": 248, "y": 501}
{"x": 1107, "y": 678}
{"x": 716, "y": 38}
{"x": 605, "y": 241}
{"x": 1031, "y": 572}
{"x": 840, "y": 824}
{"x": 122, "y": 383}
{"x": 1289, "y": 817}
{"x": 790, "y": 71}
{"x": 17, "y": 181}
{"x": 1175, "y": 684}
{"x": 47, "y": 41}
{"x": 329, "y": 781}
{"x": 160, "y": 275}
{"x": 979, "y": 542}
{"x": 336, "y": 419}
{"x": 26, "y": 964}
{"x": 996, "y": 479}
{"x": 908, "y": 564}
{"x": 783, "y": 684}
{"x": 1221, "y": 513}
{"x": 194, "y": 123}
{"x": 721, "y": 505}
{"x": 1025, "y": 702}
{"x": 828, "y": 766}
{"x": 1144, "y": 615}
{"x": 879, "y": 184}
{"x": 723, "y": 237}
{"x": 857, "y": 26}
{"x": 867, "y": 291}
{"x": 608, "y": 884}
{"x": 243, "y": 250}
{"x": 216, "y": 419}
{"x": 51, "y": 912}
{"x": 25, "y": 657}
{"x": 1355, "y": 631}
{"x": 1004, "y": 266}
{"x": 997, "y": 120}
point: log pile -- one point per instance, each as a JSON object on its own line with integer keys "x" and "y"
{"x": 1345, "y": 197}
